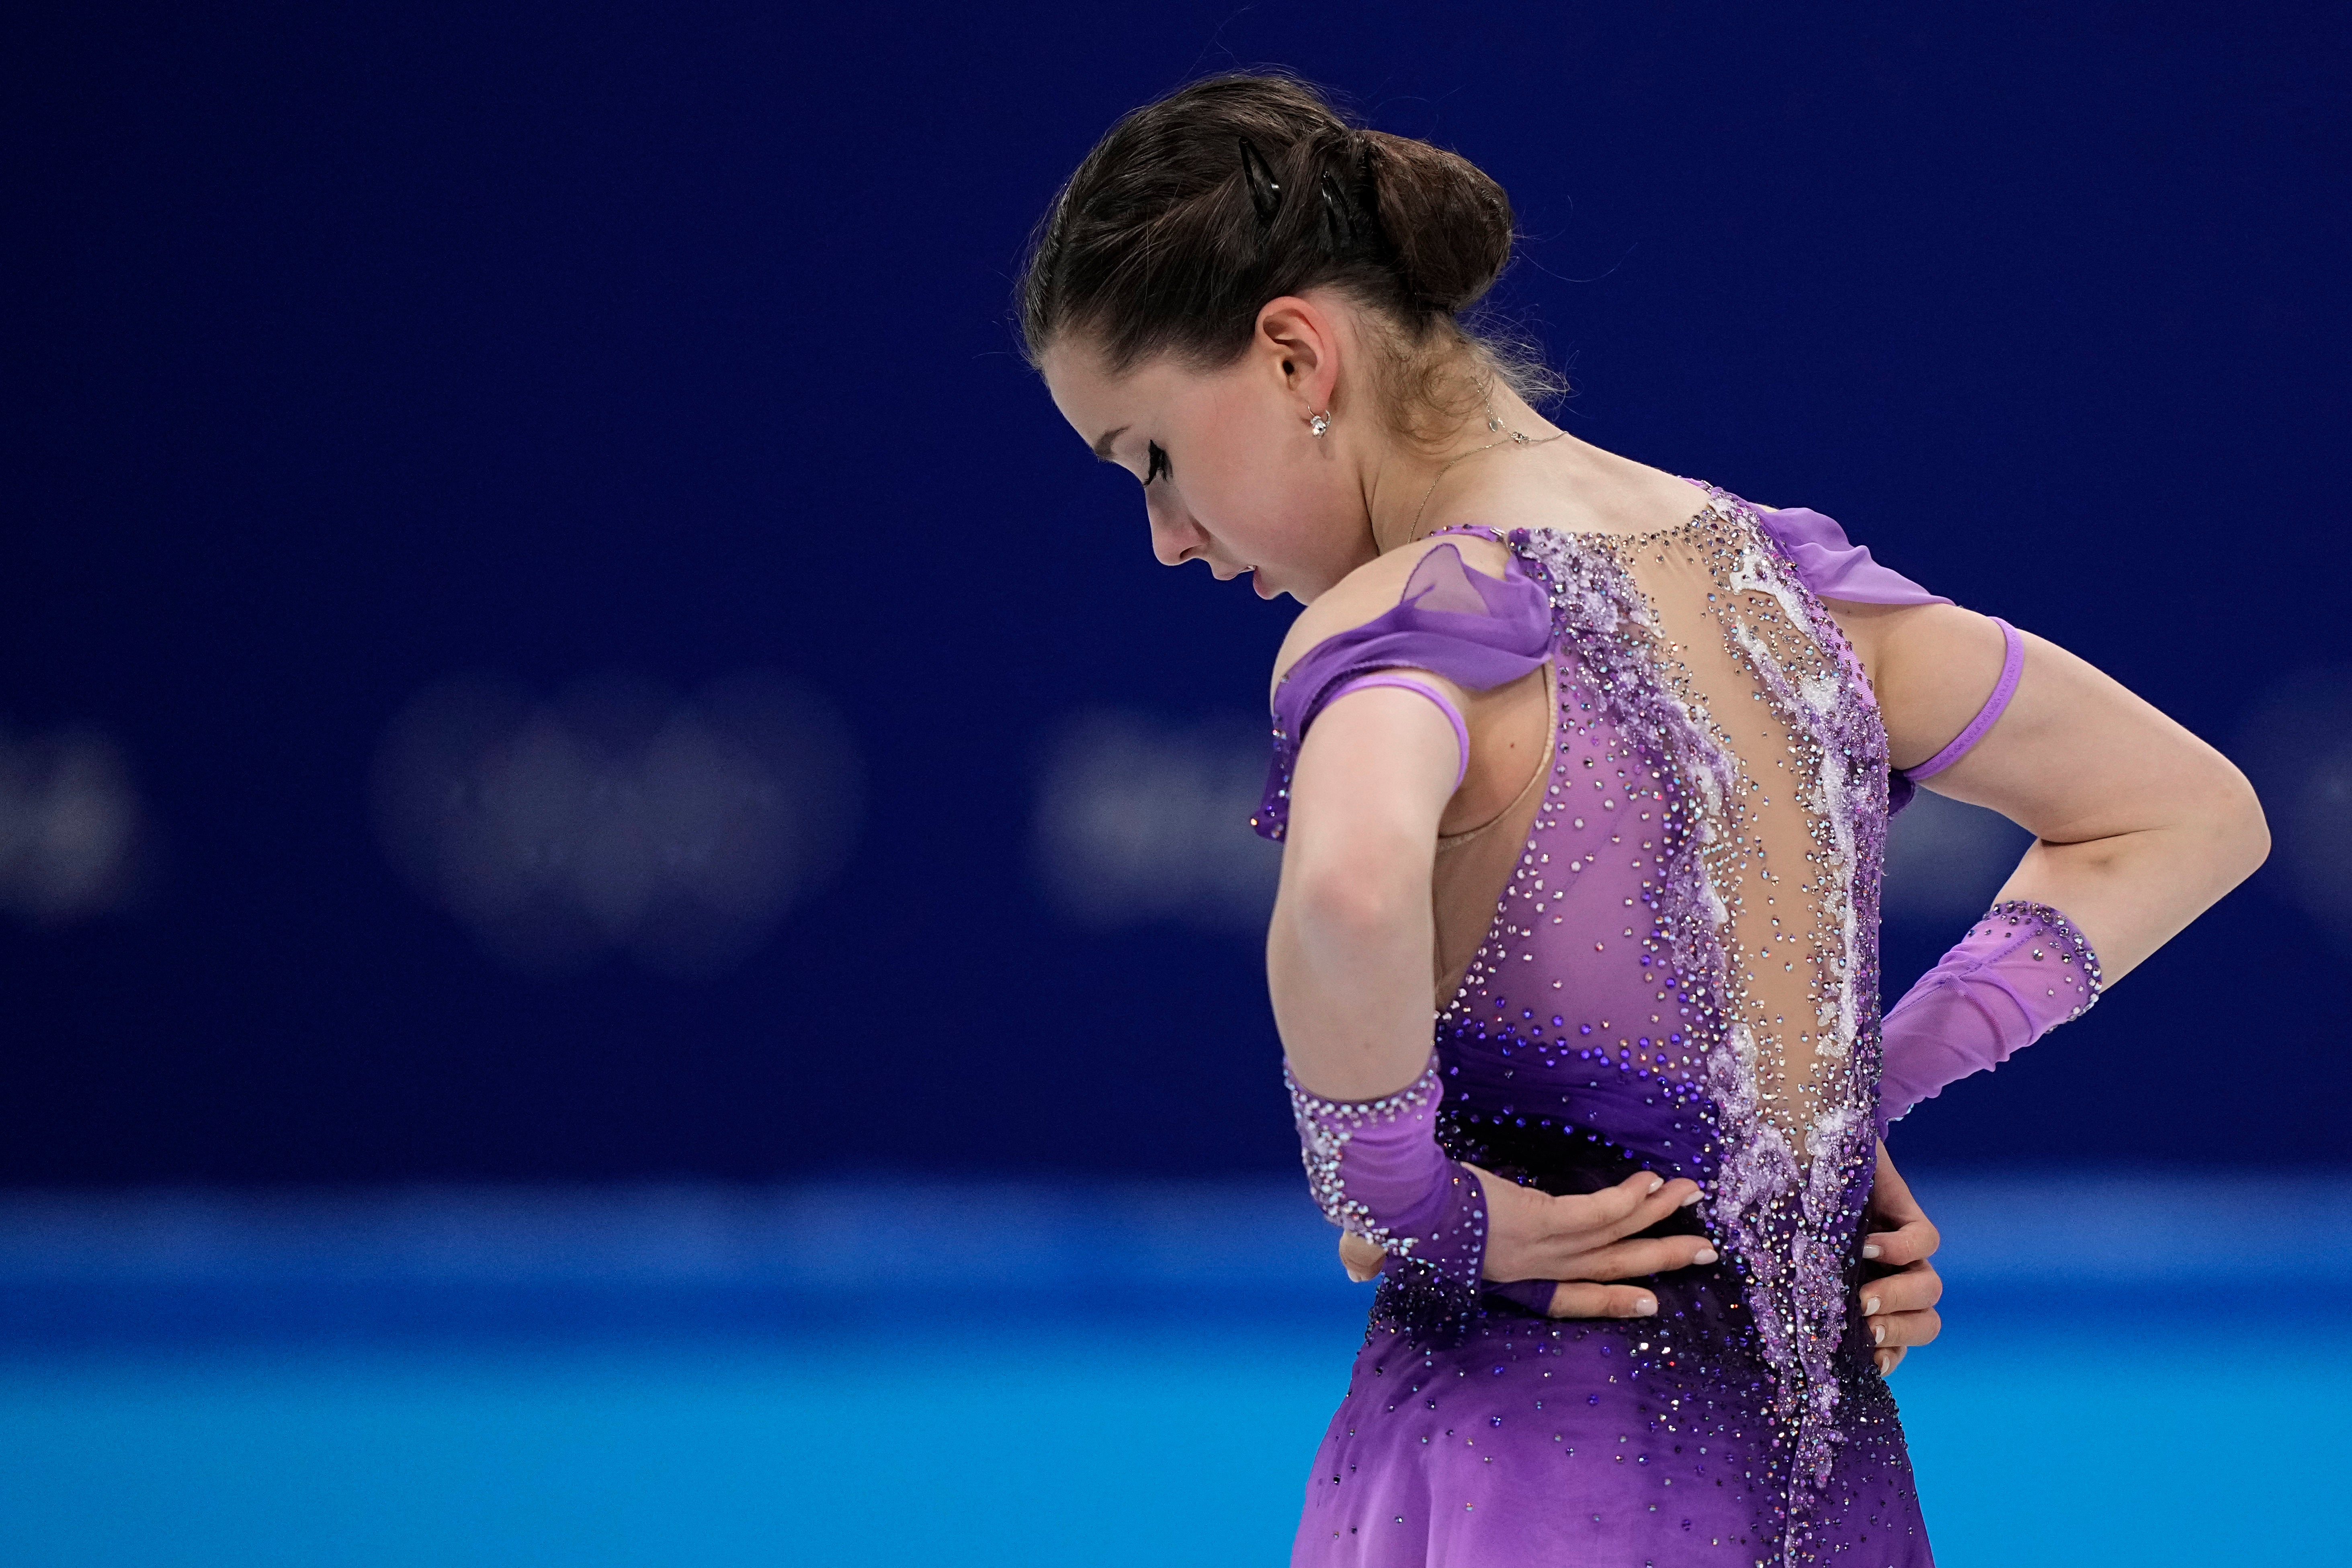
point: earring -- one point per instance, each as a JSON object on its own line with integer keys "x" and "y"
{"x": 1318, "y": 423}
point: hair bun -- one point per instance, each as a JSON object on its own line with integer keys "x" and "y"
{"x": 1449, "y": 224}
{"x": 1193, "y": 212}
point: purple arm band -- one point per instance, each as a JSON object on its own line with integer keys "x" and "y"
{"x": 1477, "y": 632}
{"x": 2012, "y": 665}
{"x": 1376, "y": 1171}
{"x": 1407, "y": 684}
{"x": 2020, "y": 973}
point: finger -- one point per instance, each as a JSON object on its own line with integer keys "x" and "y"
{"x": 1594, "y": 1219}
{"x": 1633, "y": 1260}
{"x": 1581, "y": 1299}
{"x": 1890, "y": 1194}
{"x": 1888, "y": 1360}
{"x": 1363, "y": 1258}
{"x": 1609, "y": 1206}
{"x": 1636, "y": 1202}
{"x": 1909, "y": 1243}
{"x": 1896, "y": 1329}
{"x": 1911, "y": 1291}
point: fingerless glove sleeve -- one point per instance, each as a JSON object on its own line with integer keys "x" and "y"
{"x": 2021, "y": 971}
{"x": 1376, "y": 1171}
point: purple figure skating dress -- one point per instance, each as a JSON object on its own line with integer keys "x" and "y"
{"x": 1682, "y": 977}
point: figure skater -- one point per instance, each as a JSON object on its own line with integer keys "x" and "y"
{"x": 1595, "y": 762}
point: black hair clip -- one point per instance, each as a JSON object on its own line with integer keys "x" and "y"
{"x": 1265, "y": 190}
{"x": 1339, "y": 228}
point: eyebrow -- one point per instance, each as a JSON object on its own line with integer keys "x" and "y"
{"x": 1102, "y": 443}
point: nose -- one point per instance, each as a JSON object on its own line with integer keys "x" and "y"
{"x": 1175, "y": 536}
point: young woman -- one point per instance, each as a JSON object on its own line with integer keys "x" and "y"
{"x": 1598, "y": 762}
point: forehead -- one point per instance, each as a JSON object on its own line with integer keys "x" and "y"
{"x": 1096, "y": 400}
{"x": 1072, "y": 370}
{"x": 1076, "y": 371}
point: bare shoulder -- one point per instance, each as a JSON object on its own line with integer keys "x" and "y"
{"x": 1932, "y": 666}
{"x": 1373, "y": 591}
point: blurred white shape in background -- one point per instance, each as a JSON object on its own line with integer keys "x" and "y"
{"x": 617, "y": 817}
{"x": 69, "y": 825}
{"x": 2297, "y": 748}
{"x": 1946, "y": 859}
{"x": 1140, "y": 819}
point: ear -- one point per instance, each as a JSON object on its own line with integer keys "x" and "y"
{"x": 1298, "y": 344}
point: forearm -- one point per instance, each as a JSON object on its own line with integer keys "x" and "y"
{"x": 2139, "y": 826}
{"x": 1348, "y": 962}
{"x": 2072, "y": 917}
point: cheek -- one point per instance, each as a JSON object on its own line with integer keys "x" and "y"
{"x": 1247, "y": 483}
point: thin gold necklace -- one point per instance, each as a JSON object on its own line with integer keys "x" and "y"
{"x": 1494, "y": 422}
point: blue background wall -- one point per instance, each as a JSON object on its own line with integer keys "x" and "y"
{"x": 352, "y": 348}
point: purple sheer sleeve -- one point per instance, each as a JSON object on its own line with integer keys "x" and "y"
{"x": 1477, "y": 631}
{"x": 2021, "y": 972}
{"x": 1835, "y": 568}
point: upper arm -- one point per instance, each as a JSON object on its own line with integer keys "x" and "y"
{"x": 2075, "y": 757}
{"x": 1368, "y": 793}
{"x": 1377, "y": 767}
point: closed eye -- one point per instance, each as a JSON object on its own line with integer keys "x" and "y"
{"x": 1155, "y": 462}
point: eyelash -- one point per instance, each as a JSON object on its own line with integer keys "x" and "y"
{"x": 1155, "y": 462}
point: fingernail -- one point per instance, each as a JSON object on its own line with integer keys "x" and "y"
{"x": 1703, "y": 1255}
{"x": 1691, "y": 1199}
{"x": 1871, "y": 1249}
{"x": 1885, "y": 1360}
{"x": 1878, "y": 1333}
{"x": 1870, "y": 1306}
{"x": 1644, "y": 1307}
{"x": 1656, "y": 1182}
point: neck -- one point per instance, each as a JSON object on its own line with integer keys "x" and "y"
{"x": 1410, "y": 482}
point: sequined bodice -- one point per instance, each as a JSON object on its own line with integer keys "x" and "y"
{"x": 1704, "y": 862}
{"x": 1680, "y": 977}
{"x": 1682, "y": 970}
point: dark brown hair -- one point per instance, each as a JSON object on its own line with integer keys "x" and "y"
{"x": 1193, "y": 212}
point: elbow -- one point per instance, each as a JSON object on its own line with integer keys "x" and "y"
{"x": 1350, "y": 907}
{"x": 2241, "y": 834}
{"x": 2255, "y": 836}
{"x": 1348, "y": 903}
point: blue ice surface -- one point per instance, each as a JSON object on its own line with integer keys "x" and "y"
{"x": 702, "y": 1377}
